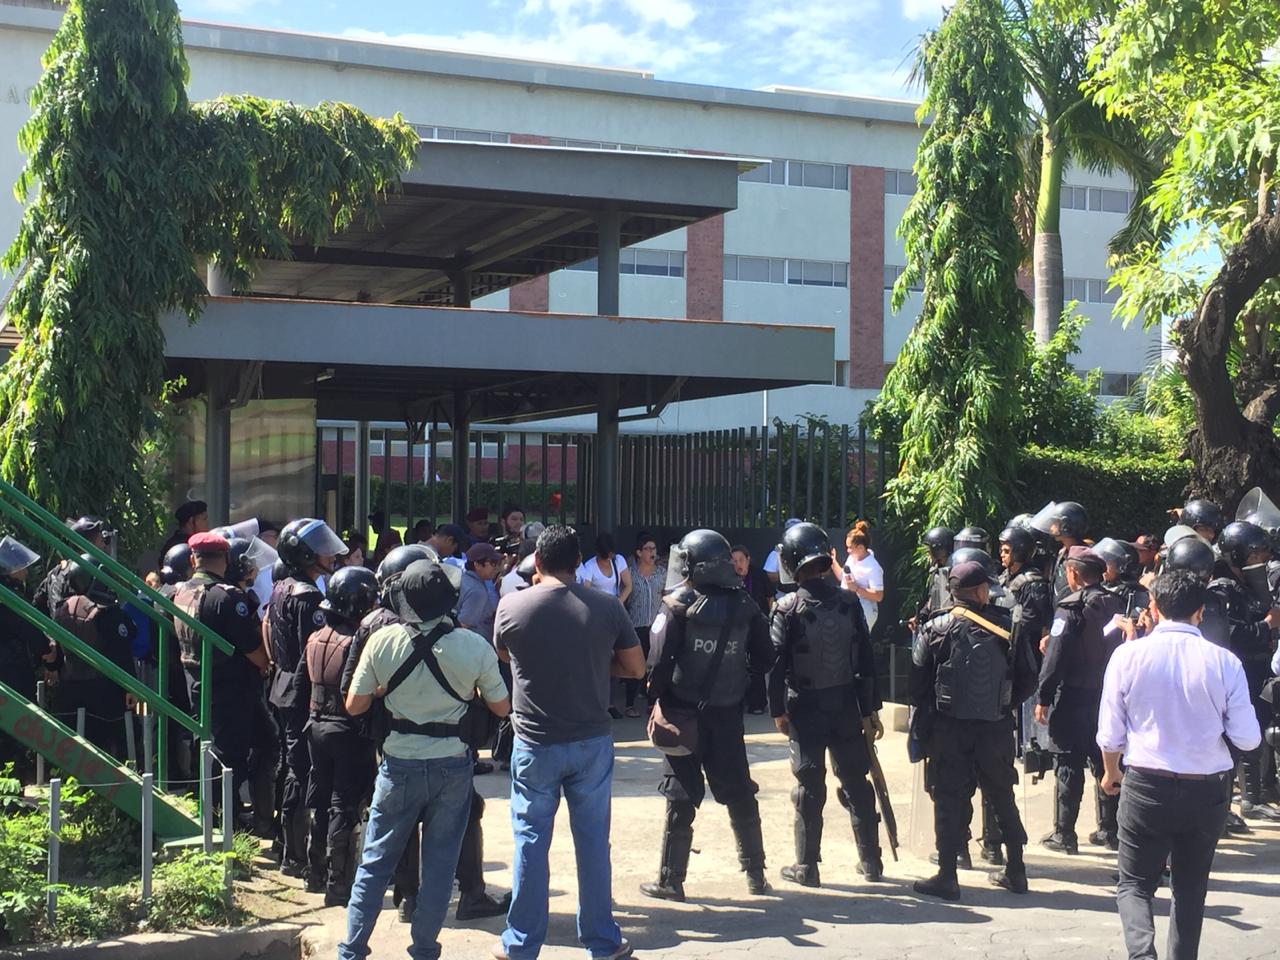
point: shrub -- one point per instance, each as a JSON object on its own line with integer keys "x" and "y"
{"x": 1123, "y": 495}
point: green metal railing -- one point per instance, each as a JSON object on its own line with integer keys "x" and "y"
{"x": 21, "y": 510}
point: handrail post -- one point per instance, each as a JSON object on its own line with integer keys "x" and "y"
{"x": 148, "y": 830}
{"x": 42, "y": 701}
{"x": 55, "y": 848}
{"x": 206, "y": 794}
{"x": 228, "y": 802}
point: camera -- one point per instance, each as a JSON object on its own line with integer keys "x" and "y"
{"x": 507, "y": 546}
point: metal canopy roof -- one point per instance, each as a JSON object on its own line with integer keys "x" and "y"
{"x": 383, "y": 362}
{"x": 493, "y": 215}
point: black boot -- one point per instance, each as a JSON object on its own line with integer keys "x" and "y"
{"x": 746, "y": 830}
{"x": 867, "y": 836}
{"x": 805, "y": 874}
{"x": 1014, "y": 876}
{"x": 262, "y": 793}
{"x": 338, "y": 889}
{"x": 677, "y": 843}
{"x": 944, "y": 884}
{"x": 477, "y": 906}
{"x": 808, "y": 834}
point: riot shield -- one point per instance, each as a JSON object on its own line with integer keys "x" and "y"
{"x": 1256, "y": 507}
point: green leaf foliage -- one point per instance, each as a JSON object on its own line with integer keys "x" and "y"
{"x": 129, "y": 187}
{"x": 950, "y": 402}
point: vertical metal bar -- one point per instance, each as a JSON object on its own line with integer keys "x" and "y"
{"x": 880, "y": 495}
{"x": 740, "y": 481}
{"x": 319, "y": 468}
{"x": 826, "y": 475}
{"x": 545, "y": 491}
{"x": 342, "y": 465}
{"x": 794, "y": 499}
{"x": 386, "y": 474}
{"x": 206, "y": 794}
{"x": 501, "y": 453}
{"x": 524, "y": 493}
{"x": 626, "y": 479}
{"x": 148, "y": 738}
{"x": 577, "y": 478}
{"x": 80, "y": 722}
{"x": 751, "y": 464}
{"x": 809, "y": 511}
{"x": 228, "y": 833}
{"x": 43, "y": 704}
{"x": 148, "y": 835}
{"x": 408, "y": 477}
{"x": 478, "y": 499}
{"x": 844, "y": 475}
{"x": 130, "y": 742}
{"x": 162, "y": 686}
{"x": 862, "y": 471}
{"x": 55, "y": 849}
{"x": 564, "y": 475}
{"x": 431, "y": 469}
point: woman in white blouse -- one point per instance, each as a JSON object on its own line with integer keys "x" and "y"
{"x": 863, "y": 574}
{"x": 607, "y": 571}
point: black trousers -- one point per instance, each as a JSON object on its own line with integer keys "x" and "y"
{"x": 343, "y": 767}
{"x": 1253, "y": 762}
{"x": 720, "y": 762}
{"x": 297, "y": 771}
{"x": 242, "y": 731}
{"x": 1069, "y": 769}
{"x": 815, "y": 732}
{"x": 470, "y": 870}
{"x": 103, "y": 705}
{"x": 632, "y": 687}
{"x": 963, "y": 755}
{"x": 1178, "y": 820}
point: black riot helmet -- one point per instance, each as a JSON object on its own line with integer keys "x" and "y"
{"x": 1202, "y": 513}
{"x": 15, "y": 557}
{"x": 703, "y": 558}
{"x": 350, "y": 593}
{"x": 279, "y": 571}
{"x": 939, "y": 541}
{"x": 801, "y": 545}
{"x": 1021, "y": 543}
{"x": 177, "y": 567}
{"x": 1193, "y": 554}
{"x": 1061, "y": 519}
{"x": 1240, "y": 539}
{"x": 303, "y": 542}
{"x": 1119, "y": 554}
{"x": 974, "y": 537}
{"x": 238, "y": 566}
{"x": 974, "y": 555}
{"x": 81, "y": 581}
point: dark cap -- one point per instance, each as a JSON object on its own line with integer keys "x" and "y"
{"x": 478, "y": 513}
{"x": 969, "y": 573}
{"x": 479, "y": 552}
{"x": 205, "y": 543}
{"x": 1085, "y": 555}
{"x": 192, "y": 508}
{"x": 452, "y": 530}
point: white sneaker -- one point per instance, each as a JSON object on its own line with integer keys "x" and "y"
{"x": 624, "y": 950}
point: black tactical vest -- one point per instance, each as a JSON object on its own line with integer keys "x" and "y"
{"x": 822, "y": 642}
{"x": 707, "y": 618}
{"x": 975, "y": 682}
{"x": 326, "y": 654}
{"x": 79, "y": 615}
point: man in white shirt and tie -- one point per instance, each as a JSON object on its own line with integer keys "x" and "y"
{"x": 1171, "y": 703}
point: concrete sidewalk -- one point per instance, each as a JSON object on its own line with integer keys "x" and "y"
{"x": 1070, "y": 911}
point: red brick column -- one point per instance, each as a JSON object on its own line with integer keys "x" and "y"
{"x": 704, "y": 270}
{"x": 532, "y": 296}
{"x": 866, "y": 277}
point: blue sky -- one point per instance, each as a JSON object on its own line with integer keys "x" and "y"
{"x": 849, "y": 46}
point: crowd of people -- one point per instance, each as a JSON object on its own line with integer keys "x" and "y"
{"x": 357, "y": 699}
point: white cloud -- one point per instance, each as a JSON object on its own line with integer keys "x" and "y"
{"x": 677, "y": 14}
{"x": 922, "y": 9}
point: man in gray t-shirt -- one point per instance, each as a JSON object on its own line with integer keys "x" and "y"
{"x": 564, "y": 642}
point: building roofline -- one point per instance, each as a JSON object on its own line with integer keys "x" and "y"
{"x": 344, "y": 52}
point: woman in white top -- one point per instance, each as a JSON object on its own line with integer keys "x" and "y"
{"x": 863, "y": 574}
{"x": 607, "y": 571}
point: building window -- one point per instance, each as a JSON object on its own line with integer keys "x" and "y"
{"x": 1097, "y": 199}
{"x": 800, "y": 173}
{"x": 641, "y": 261}
{"x": 808, "y": 273}
{"x": 841, "y": 378}
{"x": 891, "y": 274}
{"x": 605, "y": 145}
{"x": 429, "y": 132}
{"x": 1085, "y": 290}
{"x": 900, "y": 182}
{"x": 1115, "y": 384}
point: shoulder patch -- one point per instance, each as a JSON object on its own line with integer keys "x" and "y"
{"x": 1059, "y": 625}
{"x": 317, "y": 617}
{"x": 242, "y": 609}
{"x": 123, "y": 630}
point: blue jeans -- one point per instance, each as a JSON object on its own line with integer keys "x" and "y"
{"x": 439, "y": 793}
{"x": 583, "y": 771}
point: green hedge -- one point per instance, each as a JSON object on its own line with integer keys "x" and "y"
{"x": 1123, "y": 495}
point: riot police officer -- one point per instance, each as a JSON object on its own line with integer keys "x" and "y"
{"x": 1204, "y": 517}
{"x": 56, "y": 585}
{"x": 823, "y": 695}
{"x": 24, "y": 650}
{"x": 973, "y": 538}
{"x": 343, "y": 763}
{"x": 1253, "y": 618}
{"x": 1121, "y": 578}
{"x": 969, "y": 673}
{"x": 707, "y": 643}
{"x": 176, "y": 568}
{"x": 940, "y": 542}
{"x": 1070, "y": 694}
{"x": 307, "y": 548}
{"x": 1066, "y": 522}
{"x": 213, "y": 597}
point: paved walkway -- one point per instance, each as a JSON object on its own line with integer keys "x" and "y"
{"x": 1070, "y": 911}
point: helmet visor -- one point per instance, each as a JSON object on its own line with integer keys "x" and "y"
{"x": 245, "y": 530}
{"x": 677, "y": 567}
{"x": 260, "y": 555}
{"x": 1180, "y": 531}
{"x": 1259, "y": 584}
{"x": 1046, "y": 521}
{"x": 319, "y": 536}
{"x": 15, "y": 556}
{"x": 1258, "y": 508}
{"x": 1112, "y": 551}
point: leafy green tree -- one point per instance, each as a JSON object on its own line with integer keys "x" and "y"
{"x": 131, "y": 187}
{"x": 1205, "y": 73}
{"x": 951, "y": 400}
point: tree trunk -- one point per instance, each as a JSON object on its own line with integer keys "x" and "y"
{"x": 1047, "y": 252}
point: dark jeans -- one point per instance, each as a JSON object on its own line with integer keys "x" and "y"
{"x": 633, "y": 686}
{"x": 1180, "y": 820}
{"x": 965, "y": 754}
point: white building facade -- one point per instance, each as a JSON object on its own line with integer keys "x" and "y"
{"x": 813, "y": 241}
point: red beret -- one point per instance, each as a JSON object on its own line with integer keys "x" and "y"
{"x": 208, "y": 543}
{"x": 478, "y": 513}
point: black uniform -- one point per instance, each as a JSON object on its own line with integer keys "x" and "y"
{"x": 1133, "y": 596}
{"x": 693, "y": 625}
{"x": 1249, "y": 638}
{"x": 967, "y": 680}
{"x": 53, "y": 589}
{"x": 761, "y": 590}
{"x": 239, "y": 724}
{"x": 343, "y": 764}
{"x": 824, "y": 681}
{"x": 293, "y": 615}
{"x": 109, "y": 631}
{"x": 1071, "y": 686}
{"x": 22, "y": 651}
